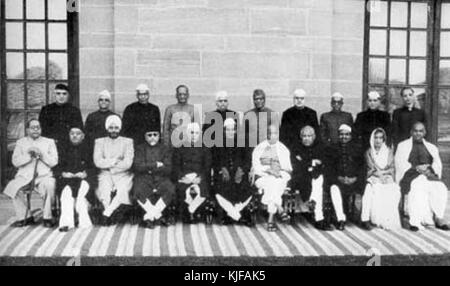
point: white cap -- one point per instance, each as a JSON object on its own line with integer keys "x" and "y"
{"x": 229, "y": 122}
{"x": 374, "y": 95}
{"x": 221, "y": 94}
{"x": 345, "y": 127}
{"x": 104, "y": 93}
{"x": 113, "y": 120}
{"x": 300, "y": 92}
{"x": 337, "y": 96}
{"x": 142, "y": 87}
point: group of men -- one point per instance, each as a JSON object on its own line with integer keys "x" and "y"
{"x": 197, "y": 167}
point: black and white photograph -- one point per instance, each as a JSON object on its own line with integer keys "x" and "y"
{"x": 227, "y": 133}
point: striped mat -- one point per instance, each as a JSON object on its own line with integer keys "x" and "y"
{"x": 203, "y": 240}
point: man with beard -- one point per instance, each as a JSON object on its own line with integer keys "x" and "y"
{"x": 404, "y": 117}
{"x": 57, "y": 118}
{"x": 34, "y": 156}
{"x": 419, "y": 170}
{"x": 233, "y": 192}
{"x": 330, "y": 121}
{"x": 140, "y": 115}
{"x": 151, "y": 185}
{"x": 178, "y": 115}
{"x": 113, "y": 155}
{"x": 192, "y": 170}
{"x": 295, "y": 118}
{"x": 369, "y": 120}
{"x": 75, "y": 181}
{"x": 95, "y": 121}
{"x": 345, "y": 174}
{"x": 307, "y": 177}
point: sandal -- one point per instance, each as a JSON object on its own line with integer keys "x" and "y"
{"x": 285, "y": 217}
{"x": 271, "y": 226}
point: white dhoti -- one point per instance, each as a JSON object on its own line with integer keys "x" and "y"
{"x": 109, "y": 183}
{"x": 233, "y": 210}
{"x": 70, "y": 206}
{"x": 380, "y": 205}
{"x": 336, "y": 199}
{"x": 317, "y": 197}
{"x": 426, "y": 200}
{"x": 273, "y": 189}
{"x": 153, "y": 212}
{"x": 44, "y": 186}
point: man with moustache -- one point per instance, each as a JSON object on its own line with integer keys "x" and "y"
{"x": 295, "y": 118}
{"x": 113, "y": 155}
{"x": 75, "y": 181}
{"x": 57, "y": 118}
{"x": 151, "y": 185}
{"x": 330, "y": 121}
{"x": 140, "y": 115}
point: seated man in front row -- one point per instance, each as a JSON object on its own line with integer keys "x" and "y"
{"x": 113, "y": 155}
{"x": 34, "y": 156}
{"x": 152, "y": 186}
{"x": 192, "y": 170}
{"x": 233, "y": 192}
{"x": 75, "y": 180}
{"x": 345, "y": 171}
{"x": 419, "y": 170}
{"x": 308, "y": 163}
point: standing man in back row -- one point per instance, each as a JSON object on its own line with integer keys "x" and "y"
{"x": 331, "y": 121}
{"x": 139, "y": 116}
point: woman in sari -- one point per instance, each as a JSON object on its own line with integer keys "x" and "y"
{"x": 382, "y": 195}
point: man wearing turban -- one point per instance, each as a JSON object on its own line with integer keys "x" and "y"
{"x": 113, "y": 155}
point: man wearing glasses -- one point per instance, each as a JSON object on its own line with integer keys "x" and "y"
{"x": 57, "y": 118}
{"x": 140, "y": 115}
{"x": 152, "y": 187}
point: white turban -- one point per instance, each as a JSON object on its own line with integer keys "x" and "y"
{"x": 345, "y": 127}
{"x": 229, "y": 122}
{"x": 104, "y": 93}
{"x": 142, "y": 88}
{"x": 374, "y": 95}
{"x": 113, "y": 120}
{"x": 337, "y": 96}
{"x": 300, "y": 92}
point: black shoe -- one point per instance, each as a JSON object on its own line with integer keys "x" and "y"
{"x": 64, "y": 229}
{"x": 322, "y": 225}
{"x": 341, "y": 225}
{"x": 105, "y": 220}
{"x": 366, "y": 225}
{"x": 445, "y": 227}
{"x": 48, "y": 223}
{"x": 227, "y": 221}
{"x": 22, "y": 223}
{"x": 413, "y": 228}
{"x": 149, "y": 224}
{"x": 163, "y": 222}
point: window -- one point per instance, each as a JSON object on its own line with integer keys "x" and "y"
{"x": 407, "y": 43}
{"x": 38, "y": 50}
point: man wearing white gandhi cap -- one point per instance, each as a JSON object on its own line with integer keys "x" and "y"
{"x": 331, "y": 121}
{"x": 113, "y": 155}
{"x": 345, "y": 171}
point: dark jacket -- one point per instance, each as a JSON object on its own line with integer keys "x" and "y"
{"x": 56, "y": 121}
{"x": 138, "y": 119}
{"x": 369, "y": 120}
{"x": 303, "y": 170}
{"x": 402, "y": 122}
{"x": 330, "y": 123}
{"x": 293, "y": 120}
{"x": 145, "y": 158}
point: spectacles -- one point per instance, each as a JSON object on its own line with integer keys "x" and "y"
{"x": 223, "y": 100}
{"x": 152, "y": 134}
{"x": 104, "y": 99}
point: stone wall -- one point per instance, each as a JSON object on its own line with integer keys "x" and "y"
{"x": 210, "y": 45}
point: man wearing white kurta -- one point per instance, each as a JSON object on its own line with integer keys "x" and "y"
{"x": 28, "y": 151}
{"x": 113, "y": 155}
{"x": 419, "y": 171}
